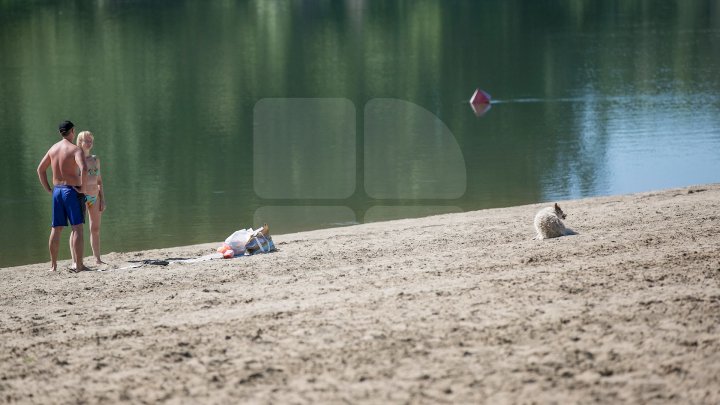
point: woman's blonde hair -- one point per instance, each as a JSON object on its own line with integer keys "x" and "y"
{"x": 82, "y": 135}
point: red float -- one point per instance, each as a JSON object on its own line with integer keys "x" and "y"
{"x": 480, "y": 97}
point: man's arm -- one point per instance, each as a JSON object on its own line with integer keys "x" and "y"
{"x": 80, "y": 161}
{"x": 42, "y": 172}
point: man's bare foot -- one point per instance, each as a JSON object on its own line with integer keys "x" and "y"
{"x": 99, "y": 262}
{"x": 74, "y": 269}
{"x": 53, "y": 267}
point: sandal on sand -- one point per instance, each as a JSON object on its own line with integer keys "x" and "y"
{"x": 75, "y": 270}
{"x": 157, "y": 262}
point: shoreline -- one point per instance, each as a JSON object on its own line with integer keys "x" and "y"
{"x": 64, "y": 263}
{"x": 461, "y": 307}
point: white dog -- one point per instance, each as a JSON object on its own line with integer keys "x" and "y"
{"x": 548, "y": 223}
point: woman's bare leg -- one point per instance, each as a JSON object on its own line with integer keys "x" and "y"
{"x": 95, "y": 215}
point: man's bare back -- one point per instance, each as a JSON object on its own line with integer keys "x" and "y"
{"x": 65, "y": 158}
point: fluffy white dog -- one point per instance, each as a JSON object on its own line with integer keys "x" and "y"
{"x": 548, "y": 223}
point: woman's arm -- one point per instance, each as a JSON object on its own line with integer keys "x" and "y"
{"x": 101, "y": 195}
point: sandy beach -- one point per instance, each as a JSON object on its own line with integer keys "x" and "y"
{"x": 458, "y": 308}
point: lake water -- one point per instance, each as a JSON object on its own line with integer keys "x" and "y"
{"x": 211, "y": 116}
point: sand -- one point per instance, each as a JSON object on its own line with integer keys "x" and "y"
{"x": 459, "y": 308}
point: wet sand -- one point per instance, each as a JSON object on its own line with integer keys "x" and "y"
{"x": 458, "y": 308}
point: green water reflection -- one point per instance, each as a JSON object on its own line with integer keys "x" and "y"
{"x": 594, "y": 98}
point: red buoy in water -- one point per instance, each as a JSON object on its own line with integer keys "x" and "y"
{"x": 480, "y": 97}
{"x": 480, "y": 102}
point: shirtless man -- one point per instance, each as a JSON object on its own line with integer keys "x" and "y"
{"x": 69, "y": 171}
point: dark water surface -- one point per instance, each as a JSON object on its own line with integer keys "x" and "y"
{"x": 210, "y": 116}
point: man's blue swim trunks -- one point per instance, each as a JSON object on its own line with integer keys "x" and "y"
{"x": 67, "y": 204}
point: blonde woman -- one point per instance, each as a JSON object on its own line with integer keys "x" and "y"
{"x": 94, "y": 196}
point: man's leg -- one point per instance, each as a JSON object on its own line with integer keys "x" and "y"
{"x": 54, "y": 244}
{"x": 76, "y": 239}
{"x": 72, "y": 251}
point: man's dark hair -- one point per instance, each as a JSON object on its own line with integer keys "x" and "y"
{"x": 65, "y": 127}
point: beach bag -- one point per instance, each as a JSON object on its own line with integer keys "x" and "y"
{"x": 260, "y": 244}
